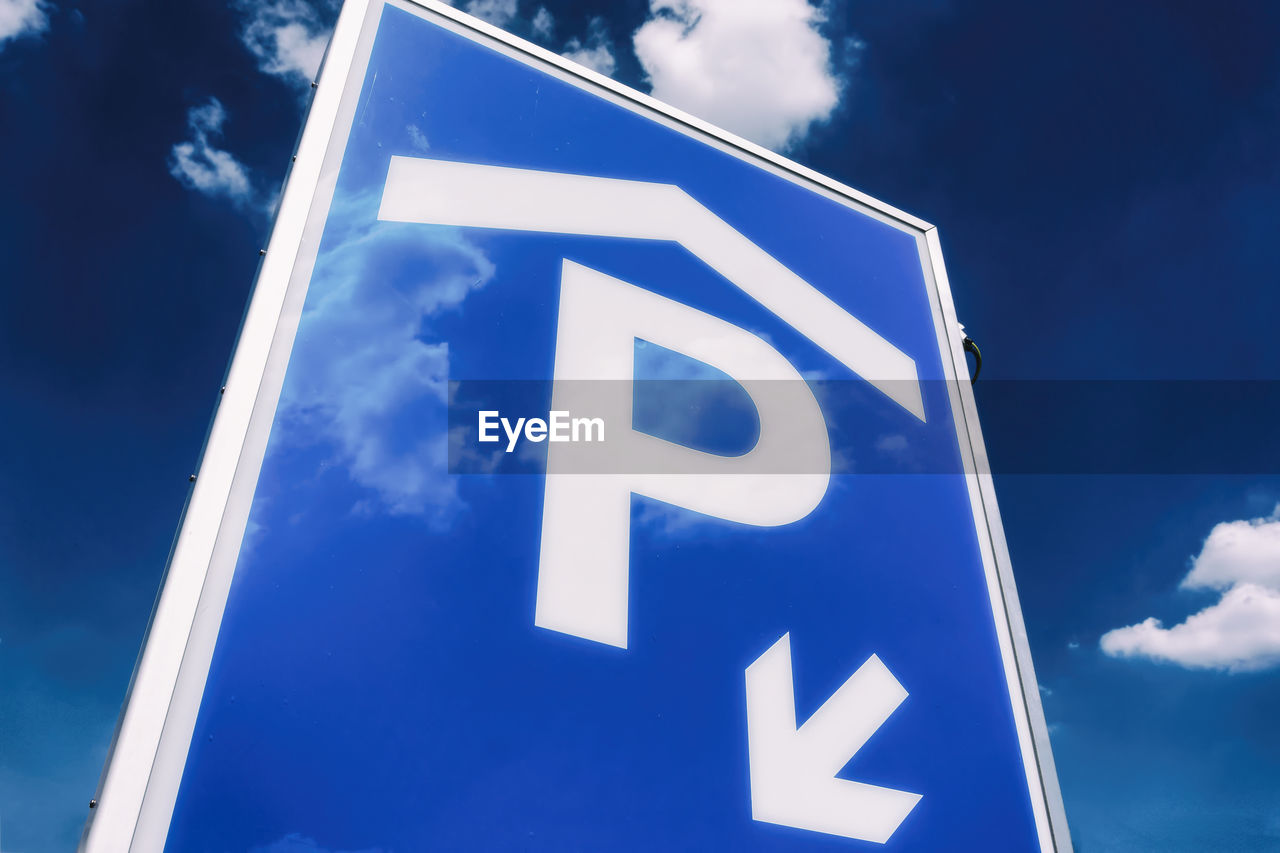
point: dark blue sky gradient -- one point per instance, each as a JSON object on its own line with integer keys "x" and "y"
{"x": 1106, "y": 184}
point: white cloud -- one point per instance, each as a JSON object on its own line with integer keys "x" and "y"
{"x": 200, "y": 165}
{"x": 760, "y": 69}
{"x": 22, "y": 18}
{"x": 1241, "y": 632}
{"x": 544, "y": 25}
{"x": 365, "y": 378}
{"x": 287, "y": 36}
{"x": 595, "y": 51}
{"x": 1239, "y": 552}
{"x": 497, "y": 12}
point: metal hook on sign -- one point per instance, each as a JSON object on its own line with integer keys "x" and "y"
{"x": 970, "y": 346}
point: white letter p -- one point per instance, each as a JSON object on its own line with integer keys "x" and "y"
{"x": 583, "y": 583}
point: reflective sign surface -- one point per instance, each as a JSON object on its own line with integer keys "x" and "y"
{"x": 753, "y": 613}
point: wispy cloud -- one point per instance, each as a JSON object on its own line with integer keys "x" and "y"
{"x": 417, "y": 138}
{"x": 200, "y": 165}
{"x": 500, "y": 13}
{"x": 288, "y": 37}
{"x": 1241, "y": 632}
{"x": 364, "y": 377}
{"x": 892, "y": 443}
{"x": 673, "y": 522}
{"x": 543, "y": 24}
{"x": 761, "y": 69}
{"x": 22, "y": 18}
{"x": 595, "y": 50}
{"x": 296, "y": 842}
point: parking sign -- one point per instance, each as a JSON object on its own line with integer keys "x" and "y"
{"x": 585, "y": 478}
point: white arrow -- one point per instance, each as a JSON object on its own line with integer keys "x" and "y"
{"x": 793, "y": 771}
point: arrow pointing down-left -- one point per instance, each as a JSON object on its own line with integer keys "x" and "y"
{"x": 793, "y": 781}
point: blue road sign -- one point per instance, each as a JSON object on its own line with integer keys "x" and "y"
{"x": 586, "y": 479}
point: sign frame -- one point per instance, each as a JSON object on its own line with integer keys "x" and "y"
{"x": 139, "y": 784}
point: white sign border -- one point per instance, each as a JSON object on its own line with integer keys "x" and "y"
{"x": 139, "y": 785}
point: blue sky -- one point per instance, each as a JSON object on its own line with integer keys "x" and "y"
{"x": 1104, "y": 180}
